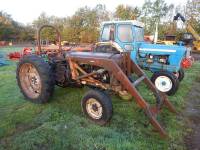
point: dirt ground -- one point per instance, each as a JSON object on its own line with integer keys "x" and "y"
{"x": 192, "y": 115}
{"x": 196, "y": 56}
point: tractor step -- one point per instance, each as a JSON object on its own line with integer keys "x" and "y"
{"x": 139, "y": 80}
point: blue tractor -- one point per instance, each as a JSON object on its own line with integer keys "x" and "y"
{"x": 164, "y": 61}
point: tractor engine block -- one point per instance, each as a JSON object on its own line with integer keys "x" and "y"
{"x": 104, "y": 77}
{"x": 163, "y": 59}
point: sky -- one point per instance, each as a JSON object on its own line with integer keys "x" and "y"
{"x": 25, "y": 11}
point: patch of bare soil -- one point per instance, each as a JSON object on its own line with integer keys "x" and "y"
{"x": 192, "y": 115}
{"x": 196, "y": 56}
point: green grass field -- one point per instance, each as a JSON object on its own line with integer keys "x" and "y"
{"x": 60, "y": 123}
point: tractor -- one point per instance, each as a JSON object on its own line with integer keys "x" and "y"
{"x": 166, "y": 62}
{"x": 104, "y": 73}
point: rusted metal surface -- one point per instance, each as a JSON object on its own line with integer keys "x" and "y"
{"x": 80, "y": 48}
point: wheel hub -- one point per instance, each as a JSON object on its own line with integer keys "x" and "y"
{"x": 94, "y": 108}
{"x": 163, "y": 83}
{"x": 34, "y": 80}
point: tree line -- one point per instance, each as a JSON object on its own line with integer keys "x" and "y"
{"x": 84, "y": 25}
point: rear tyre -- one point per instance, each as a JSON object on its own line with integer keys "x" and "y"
{"x": 35, "y": 79}
{"x": 165, "y": 82}
{"x": 97, "y": 106}
{"x": 181, "y": 74}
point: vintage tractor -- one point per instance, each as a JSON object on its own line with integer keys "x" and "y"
{"x": 165, "y": 61}
{"x": 38, "y": 73}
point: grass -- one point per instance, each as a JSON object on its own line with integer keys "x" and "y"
{"x": 60, "y": 124}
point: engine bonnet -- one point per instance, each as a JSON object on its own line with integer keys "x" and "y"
{"x": 162, "y": 49}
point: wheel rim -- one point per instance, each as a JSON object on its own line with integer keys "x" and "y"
{"x": 94, "y": 108}
{"x": 30, "y": 80}
{"x": 163, "y": 83}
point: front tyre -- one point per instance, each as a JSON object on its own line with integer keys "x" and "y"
{"x": 35, "y": 78}
{"x": 97, "y": 106}
{"x": 165, "y": 82}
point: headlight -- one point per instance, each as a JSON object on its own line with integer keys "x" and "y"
{"x": 128, "y": 47}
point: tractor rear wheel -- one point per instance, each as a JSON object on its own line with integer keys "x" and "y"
{"x": 181, "y": 74}
{"x": 35, "y": 78}
{"x": 97, "y": 106}
{"x": 165, "y": 82}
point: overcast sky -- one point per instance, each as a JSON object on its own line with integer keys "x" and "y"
{"x": 25, "y": 11}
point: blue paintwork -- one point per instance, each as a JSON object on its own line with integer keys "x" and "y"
{"x": 175, "y": 52}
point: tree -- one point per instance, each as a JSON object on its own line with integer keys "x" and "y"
{"x": 127, "y": 12}
{"x": 48, "y": 33}
{"x": 101, "y": 13}
{"x": 7, "y": 27}
{"x": 26, "y": 33}
{"x": 193, "y": 13}
{"x": 43, "y": 19}
{"x": 84, "y": 25}
{"x": 155, "y": 12}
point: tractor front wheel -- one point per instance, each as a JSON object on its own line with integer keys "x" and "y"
{"x": 165, "y": 82}
{"x": 35, "y": 78}
{"x": 97, "y": 106}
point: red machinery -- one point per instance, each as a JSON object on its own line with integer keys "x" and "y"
{"x": 18, "y": 55}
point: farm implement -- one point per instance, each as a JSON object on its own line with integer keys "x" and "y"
{"x": 38, "y": 73}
